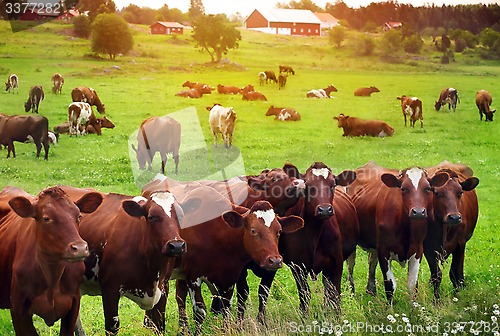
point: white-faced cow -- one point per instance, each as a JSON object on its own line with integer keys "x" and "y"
{"x": 366, "y": 91}
{"x": 35, "y": 97}
{"x": 412, "y": 108}
{"x": 483, "y": 103}
{"x": 262, "y": 78}
{"x": 12, "y": 83}
{"x": 322, "y": 93}
{"x": 57, "y": 83}
{"x": 158, "y": 134}
{"x": 447, "y": 96}
{"x": 19, "y": 128}
{"x": 222, "y": 120}
{"x": 88, "y": 95}
{"x": 353, "y": 126}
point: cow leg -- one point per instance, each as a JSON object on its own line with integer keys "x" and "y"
{"x": 155, "y": 318}
{"x": 371, "y": 288}
{"x": 79, "y": 331}
{"x": 405, "y": 119}
{"x": 10, "y": 148}
{"x": 163, "y": 157}
{"x": 215, "y": 138}
{"x": 413, "y": 268}
{"x": 68, "y": 322}
{"x": 46, "y": 147}
{"x": 264, "y": 289}
{"x": 242, "y": 291}
{"x": 436, "y": 275}
{"x": 199, "y": 308}
{"x": 457, "y": 268}
{"x": 351, "y": 262}
{"x": 300, "y": 276}
{"x": 38, "y": 145}
{"x": 480, "y": 115}
{"x": 176, "y": 161}
{"x": 23, "y": 323}
{"x": 181, "y": 294}
{"x": 389, "y": 279}
{"x": 110, "y": 301}
{"x": 332, "y": 278}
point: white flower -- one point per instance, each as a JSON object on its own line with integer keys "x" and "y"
{"x": 391, "y": 318}
{"x": 474, "y": 307}
{"x": 495, "y": 306}
{"x": 338, "y": 333}
{"x": 405, "y": 319}
{"x": 496, "y": 312}
{"x": 455, "y": 299}
{"x": 346, "y": 322}
{"x": 445, "y": 334}
{"x": 493, "y": 318}
{"x": 415, "y": 304}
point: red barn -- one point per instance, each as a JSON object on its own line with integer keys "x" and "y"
{"x": 284, "y": 21}
{"x": 162, "y": 27}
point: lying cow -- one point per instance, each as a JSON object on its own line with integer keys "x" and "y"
{"x": 412, "y": 108}
{"x": 100, "y": 123}
{"x": 197, "y": 85}
{"x": 196, "y": 92}
{"x": 35, "y": 97}
{"x": 353, "y": 126}
{"x": 366, "y": 91}
{"x": 254, "y": 95}
{"x": 447, "y": 96}
{"x": 58, "y": 82}
{"x": 228, "y": 89}
{"x": 483, "y": 103}
{"x": 283, "y": 113}
{"x": 222, "y": 120}
{"x": 12, "y": 83}
{"x": 88, "y": 95}
{"x": 19, "y": 128}
{"x": 248, "y": 88}
{"x": 322, "y": 93}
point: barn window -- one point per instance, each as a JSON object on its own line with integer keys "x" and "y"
{"x": 301, "y": 30}
{"x": 316, "y": 31}
{"x": 294, "y": 30}
{"x": 309, "y": 30}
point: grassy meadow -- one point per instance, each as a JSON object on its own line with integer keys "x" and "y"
{"x": 144, "y": 84}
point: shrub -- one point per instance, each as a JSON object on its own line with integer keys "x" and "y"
{"x": 413, "y": 44}
{"x": 364, "y": 45}
{"x": 336, "y": 35}
{"x": 81, "y": 26}
{"x": 111, "y": 35}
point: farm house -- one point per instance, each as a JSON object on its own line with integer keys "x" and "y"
{"x": 162, "y": 27}
{"x": 284, "y": 21}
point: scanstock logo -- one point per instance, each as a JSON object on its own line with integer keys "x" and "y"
{"x": 26, "y": 14}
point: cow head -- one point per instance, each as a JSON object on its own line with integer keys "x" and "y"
{"x": 489, "y": 115}
{"x": 142, "y": 155}
{"x": 262, "y": 229}
{"x": 27, "y": 105}
{"x": 341, "y": 120}
{"x": 105, "y": 122}
{"x": 57, "y": 221}
{"x": 270, "y": 111}
{"x": 437, "y": 105}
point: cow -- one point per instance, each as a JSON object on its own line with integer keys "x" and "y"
{"x": 455, "y": 217}
{"x": 132, "y": 243}
{"x": 253, "y": 95}
{"x": 412, "y": 108}
{"x": 322, "y": 93}
{"x": 282, "y": 81}
{"x": 286, "y": 69}
{"x": 222, "y": 120}
{"x": 100, "y": 123}
{"x": 270, "y": 76}
{"x": 483, "y": 103}
{"x": 36, "y": 95}
{"x": 12, "y": 83}
{"x": 53, "y": 138}
{"x": 58, "y": 82}
{"x": 41, "y": 257}
{"x": 79, "y": 115}
{"x": 262, "y": 78}
{"x": 353, "y": 126}
{"x": 283, "y": 113}
{"x": 248, "y": 88}
{"x": 447, "y": 96}
{"x": 366, "y": 91}
{"x": 196, "y": 92}
{"x": 198, "y": 86}
{"x": 19, "y": 128}
{"x": 62, "y": 128}
{"x": 88, "y": 95}
{"x": 394, "y": 211}
{"x": 228, "y": 89}
{"x": 158, "y": 134}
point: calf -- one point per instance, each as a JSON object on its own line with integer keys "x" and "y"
{"x": 88, "y": 95}
{"x": 79, "y": 115}
{"x": 366, "y": 91}
{"x": 228, "y": 89}
{"x": 353, "y": 126}
{"x": 286, "y": 69}
{"x": 12, "y": 83}
{"x": 19, "y": 128}
{"x": 58, "y": 82}
{"x": 270, "y": 76}
{"x": 483, "y": 102}
{"x": 322, "y": 93}
{"x": 448, "y": 96}
{"x": 41, "y": 257}
{"x": 100, "y": 124}
{"x": 35, "y": 97}
{"x": 282, "y": 81}
{"x": 222, "y": 120}
{"x": 412, "y": 108}
{"x": 253, "y": 95}
{"x": 248, "y": 88}
{"x": 283, "y": 113}
{"x": 262, "y": 78}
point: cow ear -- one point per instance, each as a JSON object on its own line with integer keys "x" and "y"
{"x": 133, "y": 208}
{"x": 89, "y": 202}
{"x": 233, "y": 219}
{"x": 336, "y": 118}
{"x": 255, "y": 183}
{"x": 22, "y": 206}
{"x": 291, "y": 170}
{"x": 345, "y": 178}
{"x": 470, "y": 183}
{"x": 439, "y": 180}
{"x": 391, "y": 181}
{"x": 291, "y": 224}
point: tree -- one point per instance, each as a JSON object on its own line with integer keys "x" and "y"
{"x": 364, "y": 45}
{"x": 336, "y": 35}
{"x": 196, "y": 9}
{"x": 111, "y": 35}
{"x": 391, "y": 41}
{"x": 94, "y": 7}
{"x": 81, "y": 26}
{"x": 413, "y": 44}
{"x": 216, "y": 35}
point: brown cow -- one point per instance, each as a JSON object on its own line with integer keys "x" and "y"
{"x": 88, "y": 95}
{"x": 254, "y": 95}
{"x": 41, "y": 257}
{"x": 198, "y": 86}
{"x": 286, "y": 69}
{"x": 366, "y": 91}
{"x": 447, "y": 96}
{"x": 412, "y": 107}
{"x": 270, "y": 76}
{"x": 353, "y": 126}
{"x": 196, "y": 92}
{"x": 19, "y": 128}
{"x": 282, "y": 81}
{"x": 322, "y": 93}
{"x": 222, "y": 120}
{"x": 100, "y": 123}
{"x": 248, "y": 88}
{"x": 394, "y": 210}
{"x": 455, "y": 217}
{"x": 36, "y": 95}
{"x": 483, "y": 103}
{"x": 158, "y": 134}
{"x": 283, "y": 113}
{"x": 79, "y": 116}
{"x": 58, "y": 82}
{"x": 228, "y": 89}
{"x": 12, "y": 83}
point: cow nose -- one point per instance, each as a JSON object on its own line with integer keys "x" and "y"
{"x": 454, "y": 219}
{"x": 325, "y": 210}
{"x": 76, "y": 251}
{"x": 274, "y": 263}
{"x": 176, "y": 248}
{"x": 418, "y": 213}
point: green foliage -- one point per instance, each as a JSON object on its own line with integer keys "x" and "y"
{"x": 81, "y": 26}
{"x": 391, "y": 41}
{"x": 95, "y": 7}
{"x": 413, "y": 44}
{"x": 111, "y": 35}
{"x": 336, "y": 35}
{"x": 364, "y": 45}
{"x": 302, "y": 4}
{"x": 215, "y": 35}
{"x": 196, "y": 9}
{"x": 488, "y": 37}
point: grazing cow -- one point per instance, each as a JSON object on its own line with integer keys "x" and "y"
{"x": 253, "y": 95}
{"x": 322, "y": 93}
{"x": 79, "y": 115}
{"x": 353, "y": 126}
{"x": 394, "y": 211}
{"x": 412, "y": 108}
{"x": 100, "y": 124}
{"x": 283, "y": 113}
{"x": 248, "y": 88}
{"x": 19, "y": 128}
{"x": 228, "y": 89}
{"x": 455, "y": 217}
{"x": 262, "y": 78}
{"x": 132, "y": 243}
{"x": 222, "y": 120}
{"x": 270, "y": 76}
{"x": 282, "y": 80}
{"x": 366, "y": 91}
{"x": 58, "y": 82}
{"x": 158, "y": 134}
{"x": 286, "y": 69}
{"x": 35, "y": 97}
{"x": 448, "y": 96}
{"x": 88, "y": 95}
{"x": 41, "y": 257}
{"x": 483, "y": 103}
{"x": 12, "y": 83}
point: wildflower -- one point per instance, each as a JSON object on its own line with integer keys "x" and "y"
{"x": 338, "y": 333}
{"x": 391, "y": 318}
{"x": 493, "y": 318}
{"x": 455, "y": 299}
{"x": 496, "y": 312}
{"x": 474, "y": 307}
{"x": 495, "y": 306}
{"x": 346, "y": 322}
{"x": 405, "y": 319}
{"x": 415, "y": 304}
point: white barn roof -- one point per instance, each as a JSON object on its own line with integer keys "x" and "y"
{"x": 289, "y": 15}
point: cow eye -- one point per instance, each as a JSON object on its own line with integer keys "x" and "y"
{"x": 152, "y": 218}
{"x": 46, "y": 219}
{"x": 403, "y": 189}
{"x": 460, "y": 194}
{"x": 253, "y": 231}
{"x": 278, "y": 234}
{"x": 428, "y": 189}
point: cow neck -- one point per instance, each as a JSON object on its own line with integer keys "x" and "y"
{"x": 52, "y": 270}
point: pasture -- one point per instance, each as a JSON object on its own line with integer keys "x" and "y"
{"x": 144, "y": 84}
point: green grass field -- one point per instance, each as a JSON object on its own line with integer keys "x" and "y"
{"x": 144, "y": 84}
